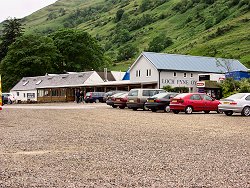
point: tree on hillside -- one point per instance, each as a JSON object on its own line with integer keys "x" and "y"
{"x": 159, "y": 43}
{"x": 12, "y": 28}
{"x": 29, "y": 55}
{"x": 79, "y": 51}
{"x": 127, "y": 52}
{"x": 119, "y": 15}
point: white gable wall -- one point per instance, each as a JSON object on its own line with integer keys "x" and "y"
{"x": 94, "y": 78}
{"x": 142, "y": 65}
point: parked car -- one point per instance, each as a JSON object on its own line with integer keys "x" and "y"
{"x": 237, "y": 103}
{"x": 8, "y": 98}
{"x": 111, "y": 99}
{"x": 94, "y": 97}
{"x": 160, "y": 101}
{"x": 110, "y": 93}
{"x": 121, "y": 100}
{"x": 138, "y": 97}
{"x": 193, "y": 102}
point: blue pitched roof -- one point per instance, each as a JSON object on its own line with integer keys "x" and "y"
{"x": 163, "y": 61}
{"x": 126, "y": 76}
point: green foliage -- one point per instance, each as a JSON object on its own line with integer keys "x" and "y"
{"x": 183, "y": 20}
{"x": 230, "y": 86}
{"x": 127, "y": 52}
{"x": 159, "y": 43}
{"x": 12, "y": 29}
{"x": 119, "y": 15}
{"x": 79, "y": 51}
{"x": 169, "y": 88}
{"x": 244, "y": 86}
{"x": 29, "y": 55}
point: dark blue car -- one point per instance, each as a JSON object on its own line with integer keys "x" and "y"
{"x": 94, "y": 97}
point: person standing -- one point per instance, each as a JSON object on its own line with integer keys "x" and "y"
{"x": 81, "y": 96}
{"x": 78, "y": 96}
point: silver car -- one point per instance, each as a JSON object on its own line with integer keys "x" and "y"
{"x": 238, "y": 103}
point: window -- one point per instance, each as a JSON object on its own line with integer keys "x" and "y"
{"x": 46, "y": 93}
{"x": 191, "y": 75}
{"x": 54, "y": 92}
{"x": 17, "y": 93}
{"x": 63, "y": 92}
{"x": 195, "y": 97}
{"x": 207, "y": 98}
{"x": 138, "y": 73}
{"x": 38, "y": 82}
{"x": 248, "y": 98}
{"x": 24, "y": 95}
{"x": 25, "y": 83}
{"x": 133, "y": 93}
{"x": 185, "y": 75}
{"x": 175, "y": 74}
{"x": 148, "y": 72}
{"x": 40, "y": 93}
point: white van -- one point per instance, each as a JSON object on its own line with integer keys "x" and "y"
{"x": 138, "y": 97}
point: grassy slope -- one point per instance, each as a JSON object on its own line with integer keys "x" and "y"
{"x": 189, "y": 38}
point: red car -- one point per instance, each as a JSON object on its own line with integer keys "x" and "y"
{"x": 193, "y": 102}
{"x": 121, "y": 100}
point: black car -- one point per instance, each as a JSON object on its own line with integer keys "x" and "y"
{"x": 94, "y": 97}
{"x": 160, "y": 101}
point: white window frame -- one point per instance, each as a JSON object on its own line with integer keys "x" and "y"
{"x": 174, "y": 74}
{"x": 148, "y": 73}
{"x": 191, "y": 75}
{"x": 184, "y": 75}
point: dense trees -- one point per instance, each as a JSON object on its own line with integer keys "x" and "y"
{"x": 79, "y": 51}
{"x": 29, "y": 55}
{"x": 64, "y": 50}
{"x": 12, "y": 30}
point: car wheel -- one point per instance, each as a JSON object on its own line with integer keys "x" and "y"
{"x": 176, "y": 111}
{"x": 206, "y": 112}
{"x": 153, "y": 110}
{"x": 246, "y": 111}
{"x": 167, "y": 109}
{"x": 228, "y": 113}
{"x": 134, "y": 109}
{"x": 114, "y": 106}
{"x": 189, "y": 110}
{"x": 121, "y": 107}
{"x": 145, "y": 108}
{"x": 97, "y": 101}
{"x": 218, "y": 111}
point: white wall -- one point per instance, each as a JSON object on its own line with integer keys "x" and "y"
{"x": 143, "y": 65}
{"x": 94, "y": 78}
{"x": 168, "y": 78}
{"x": 23, "y": 95}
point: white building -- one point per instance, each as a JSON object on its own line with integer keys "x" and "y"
{"x": 158, "y": 69}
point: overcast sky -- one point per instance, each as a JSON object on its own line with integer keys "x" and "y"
{"x": 21, "y": 8}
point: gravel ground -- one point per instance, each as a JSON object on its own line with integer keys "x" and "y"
{"x": 97, "y": 146}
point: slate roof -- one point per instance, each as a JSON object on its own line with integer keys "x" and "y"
{"x": 163, "y": 61}
{"x": 52, "y": 80}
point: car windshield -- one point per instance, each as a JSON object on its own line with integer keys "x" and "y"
{"x": 181, "y": 95}
{"x": 236, "y": 96}
{"x": 160, "y": 95}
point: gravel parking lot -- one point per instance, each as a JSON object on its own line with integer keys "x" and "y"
{"x": 93, "y": 145}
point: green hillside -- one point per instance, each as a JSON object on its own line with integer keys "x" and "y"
{"x": 198, "y": 27}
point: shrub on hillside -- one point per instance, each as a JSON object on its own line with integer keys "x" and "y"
{"x": 159, "y": 43}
